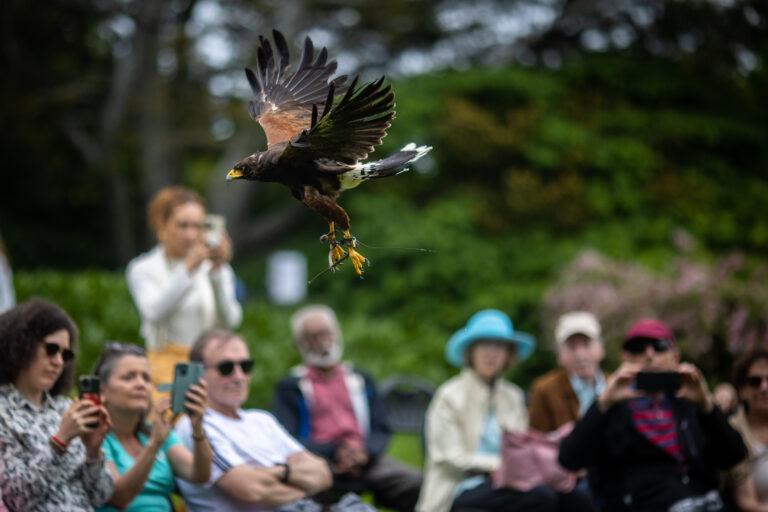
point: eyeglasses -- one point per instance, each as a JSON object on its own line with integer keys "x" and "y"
{"x": 756, "y": 381}
{"x": 51, "y": 349}
{"x": 640, "y": 345}
{"x": 227, "y": 367}
{"x": 128, "y": 348}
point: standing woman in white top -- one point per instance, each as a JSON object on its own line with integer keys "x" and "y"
{"x": 7, "y": 293}
{"x": 182, "y": 286}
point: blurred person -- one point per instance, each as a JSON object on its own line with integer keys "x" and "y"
{"x": 564, "y": 394}
{"x": 749, "y": 480}
{"x": 50, "y": 448}
{"x": 182, "y": 286}
{"x": 257, "y": 465}
{"x": 335, "y": 410}
{"x": 467, "y": 417}
{"x": 7, "y": 293}
{"x": 653, "y": 451}
{"x": 145, "y": 459}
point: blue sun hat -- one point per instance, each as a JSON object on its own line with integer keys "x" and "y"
{"x": 488, "y": 324}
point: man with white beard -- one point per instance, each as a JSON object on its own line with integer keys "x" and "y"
{"x": 335, "y": 411}
{"x": 565, "y": 393}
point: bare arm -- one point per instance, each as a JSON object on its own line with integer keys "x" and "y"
{"x": 130, "y": 484}
{"x": 194, "y": 466}
{"x": 309, "y": 472}
{"x": 259, "y": 486}
{"x": 745, "y": 496}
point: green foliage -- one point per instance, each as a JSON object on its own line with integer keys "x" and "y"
{"x": 529, "y": 168}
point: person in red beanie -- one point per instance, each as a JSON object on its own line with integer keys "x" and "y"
{"x": 653, "y": 449}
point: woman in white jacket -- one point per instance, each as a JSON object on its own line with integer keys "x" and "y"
{"x": 465, "y": 421}
{"x": 183, "y": 285}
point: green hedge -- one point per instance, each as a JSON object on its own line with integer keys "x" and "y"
{"x": 384, "y": 345}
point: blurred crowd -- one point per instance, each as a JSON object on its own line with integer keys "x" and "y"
{"x": 647, "y": 436}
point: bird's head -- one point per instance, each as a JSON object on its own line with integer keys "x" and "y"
{"x": 247, "y": 168}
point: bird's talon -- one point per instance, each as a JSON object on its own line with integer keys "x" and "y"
{"x": 357, "y": 260}
{"x": 336, "y": 253}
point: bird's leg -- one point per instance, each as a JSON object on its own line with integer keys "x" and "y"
{"x": 337, "y": 252}
{"x": 356, "y": 258}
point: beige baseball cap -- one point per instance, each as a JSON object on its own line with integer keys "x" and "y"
{"x": 577, "y": 322}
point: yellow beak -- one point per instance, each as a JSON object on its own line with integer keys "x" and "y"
{"x": 234, "y": 174}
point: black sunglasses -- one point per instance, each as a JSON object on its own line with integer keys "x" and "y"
{"x": 639, "y": 345}
{"x": 227, "y": 367}
{"x": 51, "y": 349}
{"x": 755, "y": 381}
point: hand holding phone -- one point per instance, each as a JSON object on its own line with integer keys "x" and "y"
{"x": 89, "y": 388}
{"x": 184, "y": 376}
{"x": 658, "y": 382}
{"x": 215, "y": 226}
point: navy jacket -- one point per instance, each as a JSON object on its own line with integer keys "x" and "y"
{"x": 291, "y": 408}
{"x": 630, "y": 473}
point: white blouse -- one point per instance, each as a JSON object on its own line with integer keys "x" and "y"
{"x": 176, "y": 306}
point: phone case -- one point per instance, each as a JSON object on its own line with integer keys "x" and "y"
{"x": 184, "y": 375}
{"x": 89, "y": 388}
{"x": 668, "y": 382}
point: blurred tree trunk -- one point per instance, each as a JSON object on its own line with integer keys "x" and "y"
{"x": 101, "y": 150}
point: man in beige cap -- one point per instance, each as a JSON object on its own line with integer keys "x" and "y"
{"x": 565, "y": 393}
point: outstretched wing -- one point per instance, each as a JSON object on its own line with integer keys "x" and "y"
{"x": 348, "y": 131}
{"x": 283, "y": 103}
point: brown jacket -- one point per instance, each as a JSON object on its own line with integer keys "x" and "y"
{"x": 553, "y": 401}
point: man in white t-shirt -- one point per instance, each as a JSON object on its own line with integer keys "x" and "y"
{"x": 257, "y": 465}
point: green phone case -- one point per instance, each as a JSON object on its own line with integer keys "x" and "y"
{"x": 184, "y": 375}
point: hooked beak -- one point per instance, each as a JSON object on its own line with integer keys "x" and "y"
{"x": 234, "y": 174}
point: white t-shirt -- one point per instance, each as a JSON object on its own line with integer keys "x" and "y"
{"x": 256, "y": 439}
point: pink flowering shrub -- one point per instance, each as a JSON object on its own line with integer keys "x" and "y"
{"x": 717, "y": 310}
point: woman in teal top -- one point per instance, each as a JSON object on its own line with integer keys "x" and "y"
{"x": 144, "y": 460}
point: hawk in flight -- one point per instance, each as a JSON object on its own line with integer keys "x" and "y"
{"x": 318, "y": 131}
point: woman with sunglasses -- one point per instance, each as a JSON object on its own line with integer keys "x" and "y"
{"x": 749, "y": 480}
{"x": 49, "y": 444}
{"x": 145, "y": 459}
{"x": 185, "y": 284}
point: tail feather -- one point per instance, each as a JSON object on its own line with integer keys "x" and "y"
{"x": 390, "y": 166}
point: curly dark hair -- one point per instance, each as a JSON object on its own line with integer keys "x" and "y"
{"x": 21, "y": 328}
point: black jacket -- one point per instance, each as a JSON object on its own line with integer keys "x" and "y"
{"x": 630, "y": 473}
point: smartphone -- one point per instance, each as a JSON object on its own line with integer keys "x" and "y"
{"x": 653, "y": 382}
{"x": 215, "y": 225}
{"x": 184, "y": 375}
{"x": 89, "y": 388}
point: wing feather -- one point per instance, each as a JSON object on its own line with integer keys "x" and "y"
{"x": 347, "y": 131}
{"x": 282, "y": 100}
